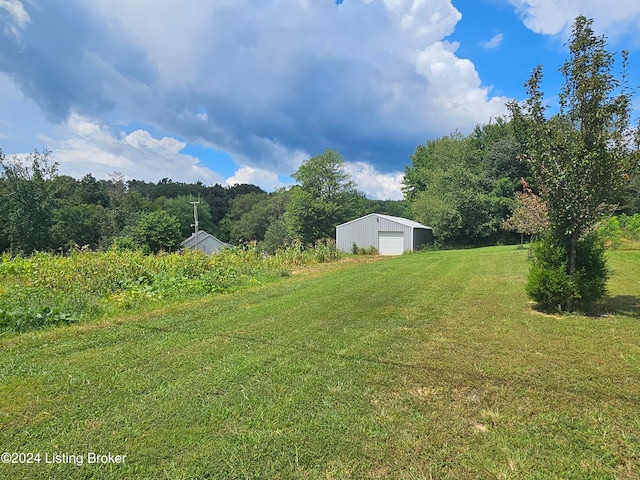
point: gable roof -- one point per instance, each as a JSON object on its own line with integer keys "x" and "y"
{"x": 202, "y": 236}
{"x": 402, "y": 221}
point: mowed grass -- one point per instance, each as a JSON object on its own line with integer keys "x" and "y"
{"x": 429, "y": 365}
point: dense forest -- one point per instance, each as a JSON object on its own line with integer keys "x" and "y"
{"x": 465, "y": 187}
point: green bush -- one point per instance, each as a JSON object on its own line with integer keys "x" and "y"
{"x": 630, "y": 226}
{"x": 610, "y": 233}
{"x": 549, "y": 283}
{"x": 634, "y": 226}
{"x": 124, "y": 243}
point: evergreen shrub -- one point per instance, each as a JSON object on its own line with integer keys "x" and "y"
{"x": 549, "y": 282}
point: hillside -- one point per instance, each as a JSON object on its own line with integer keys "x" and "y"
{"x": 429, "y": 365}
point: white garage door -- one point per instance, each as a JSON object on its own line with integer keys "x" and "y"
{"x": 391, "y": 243}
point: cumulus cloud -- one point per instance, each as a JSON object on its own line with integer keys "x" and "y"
{"x": 456, "y": 95}
{"x": 551, "y": 17}
{"x": 370, "y": 78}
{"x": 256, "y": 176}
{"x": 374, "y": 184}
{"x": 91, "y": 148}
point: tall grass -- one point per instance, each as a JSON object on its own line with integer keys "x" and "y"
{"x": 49, "y": 289}
{"x": 620, "y": 232}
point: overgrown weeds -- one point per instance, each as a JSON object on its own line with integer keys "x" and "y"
{"x": 48, "y": 289}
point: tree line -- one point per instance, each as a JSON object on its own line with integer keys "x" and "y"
{"x": 45, "y": 211}
{"x": 470, "y": 189}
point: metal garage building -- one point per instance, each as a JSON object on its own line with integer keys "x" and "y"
{"x": 390, "y": 235}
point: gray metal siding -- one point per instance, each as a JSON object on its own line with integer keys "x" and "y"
{"x": 212, "y": 245}
{"x": 364, "y": 231}
{"x": 422, "y": 236}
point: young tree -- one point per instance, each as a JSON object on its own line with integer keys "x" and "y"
{"x": 529, "y": 215}
{"x": 278, "y": 234}
{"x": 584, "y": 156}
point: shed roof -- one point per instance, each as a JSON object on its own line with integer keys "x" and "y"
{"x": 403, "y": 221}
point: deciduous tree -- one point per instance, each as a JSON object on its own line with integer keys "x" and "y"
{"x": 325, "y": 197}
{"x": 582, "y": 157}
{"x": 28, "y": 205}
{"x": 157, "y": 231}
{"x": 448, "y": 187}
{"x": 529, "y": 215}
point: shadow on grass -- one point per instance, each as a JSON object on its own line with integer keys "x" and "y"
{"x": 627, "y": 305}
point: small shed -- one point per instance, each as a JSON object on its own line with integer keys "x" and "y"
{"x": 206, "y": 243}
{"x": 390, "y": 235}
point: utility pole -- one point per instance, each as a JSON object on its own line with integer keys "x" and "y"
{"x": 195, "y": 217}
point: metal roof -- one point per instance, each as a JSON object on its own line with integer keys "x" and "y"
{"x": 202, "y": 235}
{"x": 403, "y": 221}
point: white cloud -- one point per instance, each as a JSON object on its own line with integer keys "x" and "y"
{"x": 18, "y": 14}
{"x": 89, "y": 147}
{"x": 551, "y": 17}
{"x": 266, "y": 180}
{"x": 494, "y": 42}
{"x": 456, "y": 95}
{"x": 290, "y": 71}
{"x": 431, "y": 20}
{"x": 143, "y": 140}
{"x": 383, "y": 186}
{"x": 369, "y": 78}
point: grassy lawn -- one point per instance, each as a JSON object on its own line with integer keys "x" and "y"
{"x": 429, "y": 365}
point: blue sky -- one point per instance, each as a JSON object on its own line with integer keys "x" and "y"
{"x": 243, "y": 91}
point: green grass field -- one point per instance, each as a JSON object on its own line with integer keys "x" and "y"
{"x": 429, "y": 365}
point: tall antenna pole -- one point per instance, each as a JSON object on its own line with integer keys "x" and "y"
{"x": 195, "y": 217}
